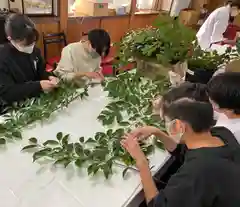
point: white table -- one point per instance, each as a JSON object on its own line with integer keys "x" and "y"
{"x": 27, "y": 184}
{"x": 221, "y": 49}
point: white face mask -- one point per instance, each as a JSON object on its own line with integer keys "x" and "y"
{"x": 177, "y": 136}
{"x": 25, "y": 49}
{"x": 93, "y": 53}
{"x": 218, "y": 115}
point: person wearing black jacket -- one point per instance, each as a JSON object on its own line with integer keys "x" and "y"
{"x": 22, "y": 68}
{"x": 209, "y": 174}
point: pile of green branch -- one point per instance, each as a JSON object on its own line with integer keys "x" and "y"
{"x": 167, "y": 43}
{"x": 209, "y": 60}
{"x": 130, "y": 107}
{"x": 37, "y": 109}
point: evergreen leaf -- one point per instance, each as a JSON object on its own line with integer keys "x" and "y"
{"x": 33, "y": 140}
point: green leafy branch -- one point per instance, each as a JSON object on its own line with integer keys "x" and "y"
{"x": 38, "y": 109}
{"x": 167, "y": 43}
{"x": 209, "y": 60}
{"x": 130, "y": 106}
{"x": 132, "y": 96}
{"x": 97, "y": 154}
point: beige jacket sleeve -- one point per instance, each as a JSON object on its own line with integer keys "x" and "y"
{"x": 65, "y": 68}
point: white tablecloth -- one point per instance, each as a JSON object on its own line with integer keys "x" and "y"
{"x": 221, "y": 49}
{"x": 27, "y": 184}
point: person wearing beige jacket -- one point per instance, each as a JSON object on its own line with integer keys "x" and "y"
{"x": 82, "y": 60}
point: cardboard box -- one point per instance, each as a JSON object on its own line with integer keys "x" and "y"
{"x": 91, "y": 8}
{"x": 16, "y": 6}
{"x": 189, "y": 17}
{"x": 237, "y": 20}
{"x": 198, "y": 4}
{"x": 233, "y": 66}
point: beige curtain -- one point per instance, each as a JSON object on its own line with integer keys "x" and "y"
{"x": 157, "y": 5}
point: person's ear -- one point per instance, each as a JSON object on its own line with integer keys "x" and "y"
{"x": 89, "y": 45}
{"x": 175, "y": 127}
{"x": 179, "y": 126}
{"x": 9, "y": 38}
{"x": 228, "y": 113}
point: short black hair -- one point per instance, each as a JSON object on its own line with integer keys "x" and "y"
{"x": 100, "y": 41}
{"x": 199, "y": 115}
{"x": 224, "y": 90}
{"x": 234, "y": 3}
{"x": 195, "y": 91}
{"x": 20, "y": 28}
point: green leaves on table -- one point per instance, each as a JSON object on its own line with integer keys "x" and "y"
{"x": 129, "y": 107}
{"x": 96, "y": 153}
{"x": 22, "y": 114}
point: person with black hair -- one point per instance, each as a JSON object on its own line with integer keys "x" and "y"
{"x": 224, "y": 94}
{"x": 82, "y": 59}
{"x": 22, "y": 69}
{"x": 211, "y": 32}
{"x": 204, "y": 12}
{"x": 209, "y": 175}
{"x": 194, "y": 91}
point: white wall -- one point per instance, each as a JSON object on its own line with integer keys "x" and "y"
{"x": 3, "y": 4}
{"x": 145, "y": 4}
{"x": 166, "y": 5}
{"x": 178, "y": 5}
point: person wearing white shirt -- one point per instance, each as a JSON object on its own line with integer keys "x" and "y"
{"x": 224, "y": 94}
{"x": 81, "y": 60}
{"x": 216, "y": 24}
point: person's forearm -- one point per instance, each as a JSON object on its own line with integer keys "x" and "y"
{"x": 229, "y": 41}
{"x": 149, "y": 187}
{"x": 79, "y": 75}
{"x": 168, "y": 142}
{"x": 20, "y": 92}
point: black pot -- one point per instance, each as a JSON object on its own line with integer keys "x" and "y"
{"x": 199, "y": 75}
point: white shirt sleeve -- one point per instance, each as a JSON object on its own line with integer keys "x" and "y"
{"x": 65, "y": 68}
{"x": 219, "y": 28}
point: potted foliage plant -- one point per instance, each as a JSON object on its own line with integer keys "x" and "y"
{"x": 159, "y": 49}
{"x": 203, "y": 64}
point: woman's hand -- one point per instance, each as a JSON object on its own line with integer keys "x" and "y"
{"x": 54, "y": 80}
{"x": 47, "y": 85}
{"x": 95, "y": 75}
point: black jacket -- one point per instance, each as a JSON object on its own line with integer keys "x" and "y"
{"x": 208, "y": 177}
{"x": 20, "y": 74}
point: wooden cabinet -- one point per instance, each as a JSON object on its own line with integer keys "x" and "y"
{"x": 116, "y": 26}
{"x": 77, "y": 26}
{"x": 142, "y": 20}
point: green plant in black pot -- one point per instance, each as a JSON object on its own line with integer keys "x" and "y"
{"x": 203, "y": 64}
